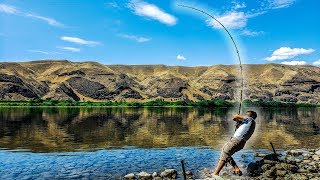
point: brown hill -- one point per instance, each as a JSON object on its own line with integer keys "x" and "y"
{"x": 91, "y": 81}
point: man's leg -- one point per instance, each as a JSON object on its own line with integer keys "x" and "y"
{"x": 220, "y": 165}
{"x": 232, "y": 146}
{"x": 235, "y": 167}
{"x": 231, "y": 160}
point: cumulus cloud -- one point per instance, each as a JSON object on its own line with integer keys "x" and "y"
{"x": 134, "y": 37}
{"x": 72, "y": 49}
{"x": 247, "y": 32}
{"x": 233, "y": 20}
{"x": 79, "y": 41}
{"x": 4, "y": 8}
{"x": 141, "y": 8}
{"x": 288, "y": 53}
{"x": 276, "y": 4}
{"x": 316, "y": 63}
{"x": 180, "y": 57}
{"x": 294, "y": 63}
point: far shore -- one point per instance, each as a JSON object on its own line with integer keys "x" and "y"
{"x": 156, "y": 103}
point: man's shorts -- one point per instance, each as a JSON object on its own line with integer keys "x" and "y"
{"x": 232, "y": 146}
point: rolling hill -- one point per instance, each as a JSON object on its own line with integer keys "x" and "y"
{"x": 91, "y": 81}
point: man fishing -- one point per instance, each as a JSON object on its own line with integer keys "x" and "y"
{"x": 245, "y": 128}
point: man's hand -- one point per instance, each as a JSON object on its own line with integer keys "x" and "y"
{"x": 237, "y": 117}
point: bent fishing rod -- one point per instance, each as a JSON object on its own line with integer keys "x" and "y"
{"x": 235, "y": 45}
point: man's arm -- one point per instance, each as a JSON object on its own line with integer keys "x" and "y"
{"x": 238, "y": 117}
{"x": 237, "y": 120}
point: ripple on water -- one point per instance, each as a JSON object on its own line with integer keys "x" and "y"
{"x": 107, "y": 163}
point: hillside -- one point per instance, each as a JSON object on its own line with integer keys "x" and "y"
{"x": 91, "y": 81}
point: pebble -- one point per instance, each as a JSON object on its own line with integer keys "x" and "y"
{"x": 144, "y": 175}
{"x": 315, "y": 157}
{"x": 129, "y": 176}
{"x": 155, "y": 174}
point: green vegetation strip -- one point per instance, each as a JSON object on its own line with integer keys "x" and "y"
{"x": 205, "y": 103}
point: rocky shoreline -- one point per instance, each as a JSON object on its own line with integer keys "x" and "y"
{"x": 290, "y": 164}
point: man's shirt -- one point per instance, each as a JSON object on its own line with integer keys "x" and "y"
{"x": 246, "y": 129}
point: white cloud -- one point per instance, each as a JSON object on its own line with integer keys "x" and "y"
{"x": 113, "y": 5}
{"x": 135, "y": 38}
{"x": 316, "y": 63}
{"x": 288, "y": 53}
{"x": 72, "y": 49}
{"x": 79, "y": 41}
{"x": 180, "y": 57}
{"x": 8, "y": 9}
{"x": 50, "y": 21}
{"x": 247, "y": 32}
{"x": 276, "y": 4}
{"x": 13, "y": 10}
{"x": 141, "y": 8}
{"x": 239, "y": 5}
{"x": 42, "y": 52}
{"x": 231, "y": 20}
{"x": 294, "y": 63}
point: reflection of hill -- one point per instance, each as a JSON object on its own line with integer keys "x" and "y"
{"x": 68, "y": 129}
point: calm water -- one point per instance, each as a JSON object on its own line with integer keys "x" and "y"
{"x": 95, "y": 142}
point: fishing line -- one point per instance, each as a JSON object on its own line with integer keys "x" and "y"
{"x": 235, "y": 45}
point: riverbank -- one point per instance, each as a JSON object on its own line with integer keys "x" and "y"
{"x": 157, "y": 103}
{"x": 296, "y": 164}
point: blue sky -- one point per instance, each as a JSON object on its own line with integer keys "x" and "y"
{"x": 160, "y": 32}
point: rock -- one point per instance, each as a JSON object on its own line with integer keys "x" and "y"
{"x": 144, "y": 176}
{"x": 252, "y": 167}
{"x": 266, "y": 167}
{"x": 302, "y": 170}
{"x": 295, "y": 152}
{"x": 189, "y": 175}
{"x": 129, "y": 176}
{"x": 224, "y": 173}
{"x": 317, "y": 152}
{"x": 287, "y": 167}
{"x": 155, "y": 174}
{"x": 306, "y": 161}
{"x": 169, "y": 173}
{"x": 90, "y": 89}
{"x": 315, "y": 157}
{"x": 255, "y": 154}
{"x": 298, "y": 160}
{"x": 295, "y": 177}
{"x": 281, "y": 173}
{"x": 312, "y": 169}
{"x": 269, "y": 162}
{"x": 271, "y": 157}
{"x": 269, "y": 173}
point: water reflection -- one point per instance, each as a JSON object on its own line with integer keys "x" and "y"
{"x": 70, "y": 129}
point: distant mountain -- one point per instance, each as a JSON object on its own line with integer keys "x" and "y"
{"x": 91, "y": 81}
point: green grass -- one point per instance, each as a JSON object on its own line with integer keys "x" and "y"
{"x": 205, "y": 103}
